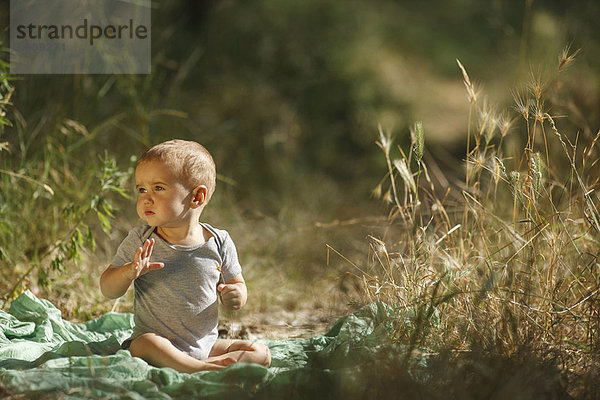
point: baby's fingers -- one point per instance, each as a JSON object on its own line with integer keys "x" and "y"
{"x": 135, "y": 265}
{"x": 156, "y": 265}
{"x": 147, "y": 249}
{"x": 226, "y": 289}
{"x": 137, "y": 259}
{"x": 142, "y": 262}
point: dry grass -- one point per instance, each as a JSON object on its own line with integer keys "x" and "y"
{"x": 505, "y": 261}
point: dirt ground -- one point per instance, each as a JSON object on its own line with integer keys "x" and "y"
{"x": 309, "y": 315}
{"x": 281, "y": 325}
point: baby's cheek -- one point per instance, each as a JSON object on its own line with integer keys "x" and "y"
{"x": 140, "y": 210}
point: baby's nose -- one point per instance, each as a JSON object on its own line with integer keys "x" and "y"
{"x": 146, "y": 198}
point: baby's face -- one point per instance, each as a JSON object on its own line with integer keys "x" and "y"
{"x": 162, "y": 200}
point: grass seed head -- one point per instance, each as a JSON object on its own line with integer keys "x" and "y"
{"x": 385, "y": 141}
{"x": 514, "y": 178}
{"x": 565, "y": 58}
{"x": 471, "y": 91}
{"x": 502, "y": 167}
{"x": 537, "y": 171}
{"x": 522, "y": 106}
{"x": 538, "y": 112}
{"x": 536, "y": 85}
{"x": 405, "y": 174}
{"x": 418, "y": 139}
{"x": 505, "y": 124}
{"x": 488, "y": 122}
{"x": 387, "y": 197}
{"x": 377, "y": 191}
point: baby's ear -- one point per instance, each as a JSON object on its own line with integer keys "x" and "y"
{"x": 200, "y": 196}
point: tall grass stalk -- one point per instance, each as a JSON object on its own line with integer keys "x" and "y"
{"x": 52, "y": 205}
{"x": 510, "y": 262}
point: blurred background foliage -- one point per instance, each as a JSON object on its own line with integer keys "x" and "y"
{"x": 280, "y": 91}
{"x": 288, "y": 97}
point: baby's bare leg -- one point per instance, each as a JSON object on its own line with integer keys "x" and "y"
{"x": 234, "y": 351}
{"x": 160, "y": 352}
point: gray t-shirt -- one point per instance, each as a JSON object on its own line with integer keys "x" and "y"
{"x": 179, "y": 301}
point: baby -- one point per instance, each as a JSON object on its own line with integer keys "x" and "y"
{"x": 179, "y": 266}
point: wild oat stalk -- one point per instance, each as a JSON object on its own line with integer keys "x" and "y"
{"x": 520, "y": 269}
{"x": 472, "y": 97}
{"x": 385, "y": 143}
{"x": 418, "y": 149}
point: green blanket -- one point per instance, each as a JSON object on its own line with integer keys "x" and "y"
{"x": 43, "y": 355}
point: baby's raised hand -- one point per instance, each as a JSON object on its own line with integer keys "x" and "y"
{"x": 141, "y": 262}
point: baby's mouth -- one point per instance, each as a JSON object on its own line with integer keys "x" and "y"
{"x": 148, "y": 213}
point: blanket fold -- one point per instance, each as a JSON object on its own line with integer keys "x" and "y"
{"x": 42, "y": 354}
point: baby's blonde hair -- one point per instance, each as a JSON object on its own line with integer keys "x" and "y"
{"x": 189, "y": 160}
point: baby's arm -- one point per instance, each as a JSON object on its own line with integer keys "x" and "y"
{"x": 234, "y": 293}
{"x": 115, "y": 281}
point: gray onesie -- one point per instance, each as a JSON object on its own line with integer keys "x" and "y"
{"x": 179, "y": 301}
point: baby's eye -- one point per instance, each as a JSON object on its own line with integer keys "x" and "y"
{"x": 141, "y": 190}
{"x": 158, "y": 188}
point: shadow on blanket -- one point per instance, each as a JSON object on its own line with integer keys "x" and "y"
{"x": 40, "y": 353}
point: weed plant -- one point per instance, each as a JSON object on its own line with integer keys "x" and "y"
{"x": 503, "y": 265}
{"x": 53, "y": 205}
